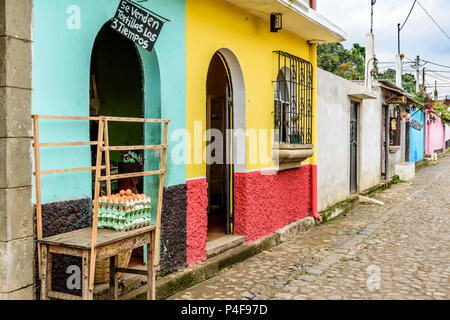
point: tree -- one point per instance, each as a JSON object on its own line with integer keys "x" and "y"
{"x": 408, "y": 80}
{"x": 334, "y": 58}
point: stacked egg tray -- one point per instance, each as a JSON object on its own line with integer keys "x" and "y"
{"x": 124, "y": 211}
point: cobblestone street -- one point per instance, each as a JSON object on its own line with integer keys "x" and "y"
{"x": 397, "y": 251}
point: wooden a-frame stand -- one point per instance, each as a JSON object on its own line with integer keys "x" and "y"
{"x": 92, "y": 244}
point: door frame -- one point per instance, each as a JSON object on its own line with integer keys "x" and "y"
{"x": 228, "y": 137}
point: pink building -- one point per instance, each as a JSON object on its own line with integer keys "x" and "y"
{"x": 437, "y": 135}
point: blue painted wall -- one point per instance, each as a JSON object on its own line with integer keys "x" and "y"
{"x": 61, "y": 71}
{"x": 416, "y": 137}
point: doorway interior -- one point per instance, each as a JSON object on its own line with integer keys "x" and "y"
{"x": 353, "y": 147}
{"x": 384, "y": 141}
{"x": 117, "y": 90}
{"x": 219, "y": 171}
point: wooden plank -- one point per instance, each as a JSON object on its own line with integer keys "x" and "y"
{"x": 129, "y": 148}
{"x": 85, "y": 276}
{"x": 122, "y": 246}
{"x": 132, "y": 271}
{"x": 160, "y": 195}
{"x": 63, "y": 296}
{"x": 81, "y": 239}
{"x": 65, "y": 251}
{"x": 111, "y": 119}
{"x": 69, "y": 170}
{"x": 113, "y": 278}
{"x": 67, "y": 144}
{"x": 49, "y": 270}
{"x": 151, "y": 274}
{"x": 122, "y": 119}
{"x": 132, "y": 175}
{"x": 37, "y": 166}
{"x": 67, "y": 118}
{"x": 108, "y": 159}
{"x": 96, "y": 201}
{"x": 44, "y": 289}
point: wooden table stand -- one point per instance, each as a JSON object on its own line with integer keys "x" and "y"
{"x": 93, "y": 244}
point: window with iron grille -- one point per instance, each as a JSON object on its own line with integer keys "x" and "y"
{"x": 293, "y": 100}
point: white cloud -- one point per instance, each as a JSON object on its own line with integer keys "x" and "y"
{"x": 420, "y": 36}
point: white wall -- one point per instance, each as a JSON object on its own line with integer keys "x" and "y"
{"x": 333, "y": 141}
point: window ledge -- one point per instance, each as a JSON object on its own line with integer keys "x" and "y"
{"x": 394, "y": 149}
{"x": 291, "y": 156}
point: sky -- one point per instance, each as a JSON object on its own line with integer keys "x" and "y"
{"x": 420, "y": 36}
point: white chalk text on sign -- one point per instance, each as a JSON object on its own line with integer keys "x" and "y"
{"x": 136, "y": 24}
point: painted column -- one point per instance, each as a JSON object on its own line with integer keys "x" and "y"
{"x": 369, "y": 63}
{"x": 16, "y": 210}
{"x": 313, "y": 60}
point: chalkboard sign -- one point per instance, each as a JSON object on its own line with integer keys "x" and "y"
{"x": 137, "y": 24}
{"x": 416, "y": 125}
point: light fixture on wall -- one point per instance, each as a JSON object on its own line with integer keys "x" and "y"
{"x": 276, "y": 22}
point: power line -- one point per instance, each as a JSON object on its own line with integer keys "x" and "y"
{"x": 408, "y": 15}
{"x": 439, "y": 71}
{"x": 437, "y": 64}
{"x": 433, "y": 20}
{"x": 437, "y": 76}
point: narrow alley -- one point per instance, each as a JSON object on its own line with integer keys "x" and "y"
{"x": 397, "y": 251}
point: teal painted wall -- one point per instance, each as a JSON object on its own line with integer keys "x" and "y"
{"x": 61, "y": 71}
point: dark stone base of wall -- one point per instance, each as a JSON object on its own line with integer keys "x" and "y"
{"x": 57, "y": 218}
{"x": 173, "y": 229}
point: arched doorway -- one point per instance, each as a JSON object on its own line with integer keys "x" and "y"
{"x": 219, "y": 171}
{"x": 117, "y": 89}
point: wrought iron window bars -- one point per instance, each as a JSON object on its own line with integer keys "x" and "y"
{"x": 293, "y": 99}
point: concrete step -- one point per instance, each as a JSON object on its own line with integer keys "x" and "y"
{"x": 215, "y": 247}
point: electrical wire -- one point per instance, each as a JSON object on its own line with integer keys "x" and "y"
{"x": 437, "y": 76}
{"x": 408, "y": 15}
{"x": 433, "y": 20}
{"x": 439, "y": 71}
{"x": 436, "y": 64}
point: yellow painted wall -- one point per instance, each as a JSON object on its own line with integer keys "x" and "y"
{"x": 214, "y": 24}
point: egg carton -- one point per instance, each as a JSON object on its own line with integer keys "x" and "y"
{"x": 124, "y": 216}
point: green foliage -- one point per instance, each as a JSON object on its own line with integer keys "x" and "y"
{"x": 440, "y": 109}
{"x": 408, "y": 80}
{"x": 350, "y": 64}
{"x": 334, "y": 58}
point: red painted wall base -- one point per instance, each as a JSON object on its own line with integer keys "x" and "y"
{"x": 197, "y": 220}
{"x": 266, "y": 203}
{"x": 263, "y": 203}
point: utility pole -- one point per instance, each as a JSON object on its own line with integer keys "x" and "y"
{"x": 435, "y": 90}
{"x": 370, "y": 52}
{"x": 398, "y": 37}
{"x": 398, "y": 73}
{"x": 371, "y": 15}
{"x": 423, "y": 81}
{"x": 417, "y": 74}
